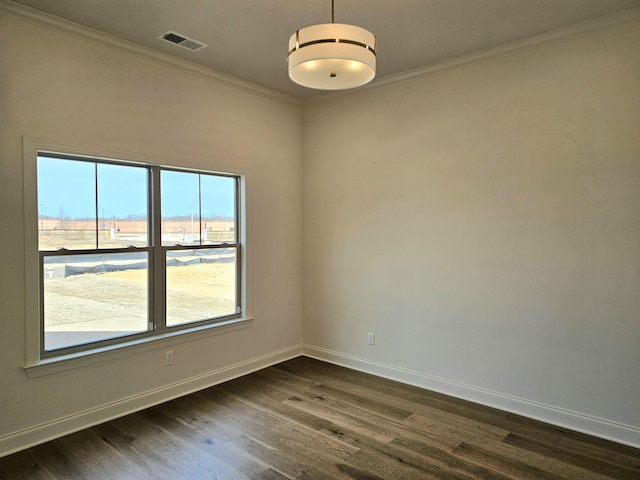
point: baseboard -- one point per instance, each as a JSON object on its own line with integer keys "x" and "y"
{"x": 35, "y": 435}
{"x": 598, "y": 427}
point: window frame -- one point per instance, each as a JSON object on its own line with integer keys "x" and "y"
{"x": 41, "y": 362}
{"x": 163, "y": 249}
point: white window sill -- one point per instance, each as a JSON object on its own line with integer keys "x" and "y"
{"x": 72, "y": 361}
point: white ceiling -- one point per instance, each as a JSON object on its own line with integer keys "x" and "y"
{"x": 248, "y": 39}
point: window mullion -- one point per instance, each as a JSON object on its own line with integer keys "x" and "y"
{"x": 97, "y": 206}
{"x": 199, "y": 210}
{"x": 157, "y": 274}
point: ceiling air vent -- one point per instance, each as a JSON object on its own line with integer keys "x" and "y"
{"x": 182, "y": 41}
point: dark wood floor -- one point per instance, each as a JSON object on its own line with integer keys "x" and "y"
{"x": 305, "y": 419}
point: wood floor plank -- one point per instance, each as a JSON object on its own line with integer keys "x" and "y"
{"x": 453, "y": 416}
{"x": 447, "y": 461}
{"x": 269, "y": 397}
{"x": 549, "y": 434}
{"x": 319, "y": 453}
{"x": 404, "y": 396}
{"x": 390, "y": 466}
{"x": 393, "y": 427}
{"x": 340, "y": 404}
{"x": 576, "y": 458}
{"x": 282, "y": 459}
{"x": 270, "y": 474}
{"x": 435, "y": 426}
{"x": 541, "y": 461}
{"x": 435, "y": 430}
{"x": 432, "y": 459}
{"x": 509, "y": 466}
{"x": 266, "y": 422}
{"x": 55, "y": 461}
{"x": 162, "y": 451}
{"x": 147, "y": 464}
{"x": 23, "y": 466}
{"x": 305, "y": 419}
{"x": 94, "y": 457}
{"x": 311, "y": 368}
{"x": 361, "y": 402}
{"x": 295, "y": 382}
{"x": 191, "y": 422}
{"x": 238, "y": 462}
{"x": 609, "y": 452}
{"x": 364, "y": 427}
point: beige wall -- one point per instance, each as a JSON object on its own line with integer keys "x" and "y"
{"x": 59, "y": 87}
{"x": 484, "y": 223}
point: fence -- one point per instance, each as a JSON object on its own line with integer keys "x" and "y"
{"x": 74, "y": 234}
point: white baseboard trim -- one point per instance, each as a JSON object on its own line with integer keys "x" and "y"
{"x": 35, "y": 435}
{"x": 598, "y": 427}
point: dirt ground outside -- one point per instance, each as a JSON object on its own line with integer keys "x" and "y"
{"x": 96, "y": 306}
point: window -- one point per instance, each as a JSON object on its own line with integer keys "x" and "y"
{"x": 131, "y": 251}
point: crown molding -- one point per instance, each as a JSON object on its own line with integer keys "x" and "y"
{"x": 36, "y": 17}
{"x": 553, "y": 36}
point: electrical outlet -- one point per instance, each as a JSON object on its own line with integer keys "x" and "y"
{"x": 168, "y": 358}
{"x": 371, "y": 338}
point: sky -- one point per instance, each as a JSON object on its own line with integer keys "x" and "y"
{"x": 68, "y": 187}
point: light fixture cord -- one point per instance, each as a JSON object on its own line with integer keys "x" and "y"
{"x": 332, "y": 15}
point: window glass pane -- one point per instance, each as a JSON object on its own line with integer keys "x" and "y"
{"x": 180, "y": 208}
{"x": 218, "y": 209}
{"x": 66, "y": 204}
{"x": 88, "y": 298}
{"x": 122, "y": 206}
{"x": 94, "y": 205}
{"x": 201, "y": 284}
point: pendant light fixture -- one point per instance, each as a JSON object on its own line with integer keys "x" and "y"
{"x": 332, "y": 56}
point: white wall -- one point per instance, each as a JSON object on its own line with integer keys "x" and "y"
{"x": 66, "y": 89}
{"x": 484, "y": 223}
